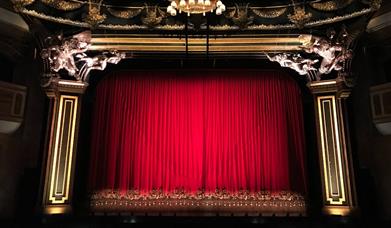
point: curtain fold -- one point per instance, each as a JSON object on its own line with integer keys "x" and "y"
{"x": 198, "y": 130}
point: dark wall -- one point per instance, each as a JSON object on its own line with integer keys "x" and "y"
{"x": 371, "y": 66}
{"x": 20, "y": 152}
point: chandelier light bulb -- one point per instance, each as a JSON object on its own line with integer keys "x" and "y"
{"x": 207, "y": 2}
{"x": 219, "y": 3}
{"x": 169, "y": 9}
{"x": 173, "y": 13}
{"x": 218, "y": 11}
{"x": 182, "y": 3}
{"x": 191, "y": 2}
{"x": 200, "y": 2}
{"x": 173, "y": 4}
{"x": 222, "y": 7}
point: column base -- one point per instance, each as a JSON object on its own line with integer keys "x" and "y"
{"x": 57, "y": 209}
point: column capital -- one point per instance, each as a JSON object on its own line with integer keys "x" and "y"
{"x": 57, "y": 86}
{"x": 333, "y": 86}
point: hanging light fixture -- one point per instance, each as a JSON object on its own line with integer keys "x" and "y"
{"x": 195, "y": 7}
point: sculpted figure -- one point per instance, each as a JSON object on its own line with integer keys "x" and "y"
{"x": 332, "y": 54}
{"x": 98, "y": 62}
{"x": 70, "y": 54}
{"x": 295, "y": 62}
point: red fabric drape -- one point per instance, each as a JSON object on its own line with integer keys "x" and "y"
{"x": 198, "y": 130}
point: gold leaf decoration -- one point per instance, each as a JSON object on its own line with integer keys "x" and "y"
{"x": 239, "y": 16}
{"x": 20, "y": 4}
{"x": 94, "y": 16}
{"x": 299, "y": 17}
{"x": 331, "y": 5}
{"x": 269, "y": 12}
{"x": 125, "y": 13}
{"x": 153, "y": 16}
{"x": 63, "y": 5}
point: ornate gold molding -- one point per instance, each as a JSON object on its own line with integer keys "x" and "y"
{"x": 125, "y": 13}
{"x": 63, "y": 5}
{"x": 300, "y": 17}
{"x": 19, "y": 5}
{"x": 335, "y": 192}
{"x": 331, "y": 5}
{"x": 254, "y": 27}
{"x": 231, "y": 44}
{"x": 269, "y": 12}
{"x": 62, "y": 137}
{"x": 339, "y": 197}
{"x": 244, "y": 202}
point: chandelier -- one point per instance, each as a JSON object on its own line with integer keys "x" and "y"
{"x": 195, "y": 7}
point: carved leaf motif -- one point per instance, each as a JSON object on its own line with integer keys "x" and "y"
{"x": 20, "y": 4}
{"x": 331, "y": 5}
{"x": 269, "y": 12}
{"x": 23, "y": 2}
{"x": 239, "y": 16}
{"x": 125, "y": 14}
{"x": 300, "y": 17}
{"x": 63, "y": 5}
{"x": 153, "y": 16}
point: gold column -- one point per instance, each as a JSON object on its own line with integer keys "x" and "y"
{"x": 65, "y": 103}
{"x": 338, "y": 187}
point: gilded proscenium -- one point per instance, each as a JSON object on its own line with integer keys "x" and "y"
{"x": 224, "y": 27}
{"x": 256, "y": 44}
{"x": 63, "y": 150}
{"x": 331, "y": 5}
{"x": 63, "y": 5}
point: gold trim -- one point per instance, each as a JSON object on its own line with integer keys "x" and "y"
{"x": 161, "y": 40}
{"x": 230, "y": 44}
{"x": 269, "y": 12}
{"x": 53, "y": 194}
{"x": 218, "y": 201}
{"x": 325, "y": 151}
{"x": 320, "y": 83}
{"x": 63, "y": 5}
{"x": 337, "y": 210}
{"x": 157, "y": 48}
{"x": 338, "y": 18}
{"x": 330, "y": 5}
{"x": 125, "y": 13}
{"x": 181, "y": 27}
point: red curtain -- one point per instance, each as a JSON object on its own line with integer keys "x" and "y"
{"x": 208, "y": 130}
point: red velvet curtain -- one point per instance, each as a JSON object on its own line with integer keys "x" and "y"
{"x": 208, "y": 130}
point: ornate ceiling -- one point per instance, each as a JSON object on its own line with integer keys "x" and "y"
{"x": 242, "y": 15}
